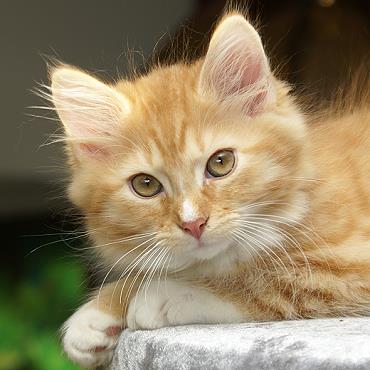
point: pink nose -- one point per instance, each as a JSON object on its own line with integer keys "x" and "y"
{"x": 195, "y": 228}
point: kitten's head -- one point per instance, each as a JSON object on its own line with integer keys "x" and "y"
{"x": 189, "y": 163}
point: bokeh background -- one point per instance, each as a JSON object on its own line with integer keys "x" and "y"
{"x": 315, "y": 44}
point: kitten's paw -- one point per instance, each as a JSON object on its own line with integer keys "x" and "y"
{"x": 90, "y": 336}
{"x": 157, "y": 309}
{"x": 146, "y": 312}
{"x": 185, "y": 309}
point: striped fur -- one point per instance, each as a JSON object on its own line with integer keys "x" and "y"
{"x": 288, "y": 234}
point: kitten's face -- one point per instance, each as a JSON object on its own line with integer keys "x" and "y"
{"x": 194, "y": 162}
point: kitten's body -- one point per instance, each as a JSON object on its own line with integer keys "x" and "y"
{"x": 287, "y": 233}
{"x": 329, "y": 275}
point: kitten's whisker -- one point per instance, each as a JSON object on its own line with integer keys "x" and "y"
{"x": 118, "y": 261}
{"x": 54, "y": 242}
{"x": 159, "y": 266}
{"x": 287, "y": 237}
{"x": 238, "y": 239}
{"x": 291, "y": 242}
{"x": 255, "y": 236}
{"x": 150, "y": 253}
{"x": 129, "y": 270}
{"x": 273, "y": 241}
{"x": 262, "y": 227}
{"x": 163, "y": 262}
{"x": 266, "y": 249}
{"x": 126, "y": 239}
{"x": 289, "y": 223}
{"x": 242, "y": 236}
{"x": 276, "y": 243}
{"x": 264, "y": 203}
{"x": 153, "y": 251}
{"x": 166, "y": 273}
{"x": 131, "y": 266}
{"x": 307, "y": 179}
{"x": 153, "y": 269}
{"x": 246, "y": 239}
{"x": 148, "y": 272}
{"x": 116, "y": 241}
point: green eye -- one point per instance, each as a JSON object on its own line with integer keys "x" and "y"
{"x": 146, "y": 185}
{"x": 221, "y": 163}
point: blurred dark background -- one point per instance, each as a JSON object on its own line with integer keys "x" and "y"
{"x": 313, "y": 43}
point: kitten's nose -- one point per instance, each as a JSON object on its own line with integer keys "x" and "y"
{"x": 195, "y": 228}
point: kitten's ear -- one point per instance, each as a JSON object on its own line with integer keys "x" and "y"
{"x": 89, "y": 110}
{"x": 236, "y": 70}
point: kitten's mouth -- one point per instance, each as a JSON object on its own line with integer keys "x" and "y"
{"x": 200, "y": 243}
{"x": 205, "y": 250}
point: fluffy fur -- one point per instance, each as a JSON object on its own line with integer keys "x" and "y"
{"x": 288, "y": 231}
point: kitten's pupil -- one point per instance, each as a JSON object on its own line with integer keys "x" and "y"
{"x": 220, "y": 160}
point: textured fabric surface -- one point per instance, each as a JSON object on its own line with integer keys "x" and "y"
{"x": 307, "y": 344}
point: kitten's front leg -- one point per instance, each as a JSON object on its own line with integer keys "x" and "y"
{"x": 178, "y": 303}
{"x": 90, "y": 334}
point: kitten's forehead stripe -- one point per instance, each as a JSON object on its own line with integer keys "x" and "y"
{"x": 182, "y": 136}
{"x": 164, "y": 113}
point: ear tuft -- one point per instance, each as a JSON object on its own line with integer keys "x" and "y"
{"x": 236, "y": 70}
{"x": 89, "y": 109}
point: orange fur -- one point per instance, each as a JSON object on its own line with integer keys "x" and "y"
{"x": 309, "y": 176}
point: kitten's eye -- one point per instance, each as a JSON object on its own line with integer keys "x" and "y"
{"x": 145, "y": 185}
{"x": 221, "y": 163}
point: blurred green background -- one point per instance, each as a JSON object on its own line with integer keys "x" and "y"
{"x": 40, "y": 286}
{"x": 43, "y": 276}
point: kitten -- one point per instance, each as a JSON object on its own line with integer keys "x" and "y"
{"x": 211, "y": 198}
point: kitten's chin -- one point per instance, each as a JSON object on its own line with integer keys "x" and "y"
{"x": 193, "y": 253}
{"x": 206, "y": 250}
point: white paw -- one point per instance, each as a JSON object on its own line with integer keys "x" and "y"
{"x": 174, "y": 304}
{"x": 185, "y": 309}
{"x": 90, "y": 336}
{"x": 147, "y": 312}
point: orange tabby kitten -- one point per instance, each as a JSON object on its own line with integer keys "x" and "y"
{"x": 211, "y": 199}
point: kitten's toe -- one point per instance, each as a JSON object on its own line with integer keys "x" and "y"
{"x": 90, "y": 337}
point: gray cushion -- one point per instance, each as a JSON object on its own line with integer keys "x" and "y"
{"x": 306, "y": 344}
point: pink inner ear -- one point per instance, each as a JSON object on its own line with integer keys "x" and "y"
{"x": 256, "y": 105}
{"x": 253, "y": 74}
{"x": 250, "y": 69}
{"x": 236, "y": 69}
